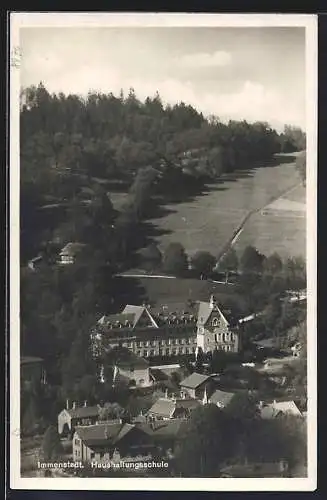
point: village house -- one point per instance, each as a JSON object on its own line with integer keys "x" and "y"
{"x": 150, "y": 332}
{"x": 197, "y": 385}
{"x": 219, "y": 398}
{"x": 170, "y": 408}
{"x": 278, "y": 409}
{"x": 70, "y": 418}
{"x": 130, "y": 368}
{"x": 32, "y": 370}
{"x": 71, "y": 252}
{"x": 116, "y": 441}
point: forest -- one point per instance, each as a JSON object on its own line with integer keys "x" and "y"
{"x": 73, "y": 151}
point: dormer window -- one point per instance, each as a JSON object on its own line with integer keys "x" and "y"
{"x": 215, "y": 322}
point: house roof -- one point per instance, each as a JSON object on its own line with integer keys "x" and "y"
{"x": 25, "y": 360}
{"x": 72, "y": 248}
{"x": 103, "y": 434}
{"x": 222, "y": 397}
{"x": 137, "y": 312}
{"x": 272, "y": 410}
{"x": 194, "y": 380}
{"x": 205, "y": 310}
{"x": 125, "y": 358}
{"x": 167, "y": 429}
{"x": 163, "y": 407}
{"x": 83, "y": 412}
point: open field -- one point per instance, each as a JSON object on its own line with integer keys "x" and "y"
{"x": 209, "y": 220}
{"x": 280, "y": 227}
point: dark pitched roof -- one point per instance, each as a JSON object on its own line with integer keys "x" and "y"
{"x": 25, "y": 360}
{"x": 222, "y": 397}
{"x": 161, "y": 430}
{"x": 124, "y": 358}
{"x": 194, "y": 380}
{"x": 103, "y": 434}
{"x": 83, "y": 412}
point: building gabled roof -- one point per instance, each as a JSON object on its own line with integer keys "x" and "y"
{"x": 194, "y": 380}
{"x": 163, "y": 407}
{"x": 103, "y": 434}
{"x": 137, "y": 312}
{"x": 83, "y": 412}
{"x": 272, "y": 410}
{"x": 205, "y": 310}
{"x": 122, "y": 357}
{"x": 166, "y": 407}
{"x": 161, "y": 430}
{"x": 222, "y": 397}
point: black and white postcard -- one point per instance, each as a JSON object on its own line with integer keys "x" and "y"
{"x": 163, "y": 251}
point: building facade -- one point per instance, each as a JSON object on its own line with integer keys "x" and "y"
{"x": 167, "y": 333}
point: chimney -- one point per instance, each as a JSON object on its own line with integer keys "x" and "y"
{"x": 67, "y": 404}
{"x": 74, "y": 405}
{"x": 85, "y": 404}
{"x": 212, "y": 302}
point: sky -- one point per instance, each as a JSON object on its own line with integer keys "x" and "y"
{"x": 233, "y": 73}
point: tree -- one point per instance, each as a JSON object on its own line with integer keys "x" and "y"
{"x": 175, "y": 259}
{"x": 273, "y": 264}
{"x": 203, "y": 263}
{"x": 251, "y": 260}
{"x": 228, "y": 263}
{"x": 151, "y": 256}
{"x": 199, "y": 360}
{"x": 206, "y": 440}
{"x": 219, "y": 361}
{"x": 243, "y": 406}
{"x": 51, "y": 445}
{"x": 111, "y": 411}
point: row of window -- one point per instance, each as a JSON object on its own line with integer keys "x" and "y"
{"x": 166, "y": 352}
{"x": 155, "y": 343}
{"x": 224, "y": 337}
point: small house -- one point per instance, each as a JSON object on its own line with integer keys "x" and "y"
{"x": 71, "y": 252}
{"x": 171, "y": 408}
{"x": 278, "y": 409}
{"x": 70, "y": 418}
{"x": 130, "y": 367}
{"x": 221, "y": 398}
{"x": 196, "y": 384}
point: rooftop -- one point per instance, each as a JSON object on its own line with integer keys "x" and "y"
{"x": 84, "y": 411}
{"x": 222, "y": 397}
{"x": 194, "y": 380}
{"x": 124, "y": 358}
{"x": 273, "y": 410}
{"x": 72, "y": 248}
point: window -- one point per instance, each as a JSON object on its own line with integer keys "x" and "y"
{"x": 187, "y": 341}
{"x": 76, "y": 442}
{"x": 173, "y": 351}
{"x": 187, "y": 350}
{"x": 216, "y": 337}
{"x": 152, "y": 343}
{"x": 145, "y": 353}
{"x": 144, "y": 344}
{"x": 92, "y": 454}
{"x": 174, "y": 342}
{"x": 180, "y": 350}
{"x": 161, "y": 342}
{"x": 161, "y": 352}
{"x": 138, "y": 353}
{"x": 193, "y": 349}
{"x": 138, "y": 344}
{"x": 130, "y": 344}
{"x": 167, "y": 352}
{"x": 180, "y": 341}
{"x": 152, "y": 352}
{"x": 232, "y": 337}
{"x": 201, "y": 329}
{"x": 215, "y": 322}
